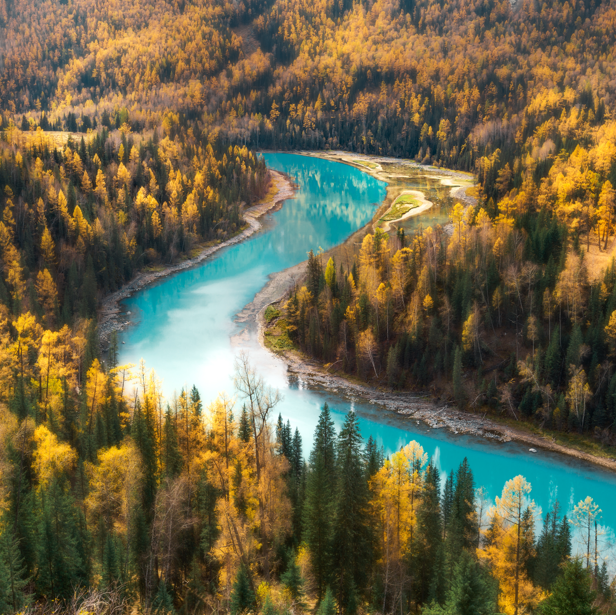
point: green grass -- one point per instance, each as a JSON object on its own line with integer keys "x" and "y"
{"x": 579, "y": 442}
{"x": 366, "y": 163}
{"x": 270, "y": 313}
{"x": 276, "y": 335}
{"x": 402, "y": 205}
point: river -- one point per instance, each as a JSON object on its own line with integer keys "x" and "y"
{"x": 184, "y": 325}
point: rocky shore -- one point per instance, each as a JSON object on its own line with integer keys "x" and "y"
{"x": 110, "y": 315}
{"x": 420, "y": 407}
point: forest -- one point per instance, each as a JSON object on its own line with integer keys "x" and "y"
{"x": 129, "y": 139}
{"x": 189, "y": 508}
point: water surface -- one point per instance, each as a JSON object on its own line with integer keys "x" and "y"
{"x": 185, "y": 323}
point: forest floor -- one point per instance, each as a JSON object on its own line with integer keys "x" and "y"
{"x": 111, "y": 316}
{"x": 434, "y": 412}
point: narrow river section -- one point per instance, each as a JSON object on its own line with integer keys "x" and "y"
{"x": 184, "y": 325}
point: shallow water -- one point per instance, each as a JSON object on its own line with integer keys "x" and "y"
{"x": 184, "y": 324}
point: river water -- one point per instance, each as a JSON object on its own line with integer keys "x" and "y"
{"x": 184, "y": 325}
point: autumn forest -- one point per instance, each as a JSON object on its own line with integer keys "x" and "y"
{"x": 130, "y": 141}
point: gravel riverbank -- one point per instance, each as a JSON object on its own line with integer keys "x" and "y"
{"x": 110, "y": 316}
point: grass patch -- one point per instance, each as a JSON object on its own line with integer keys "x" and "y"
{"x": 402, "y": 205}
{"x": 366, "y": 163}
{"x": 579, "y": 442}
{"x": 277, "y": 337}
{"x": 270, "y": 313}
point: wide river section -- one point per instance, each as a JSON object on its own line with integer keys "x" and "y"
{"x": 185, "y": 329}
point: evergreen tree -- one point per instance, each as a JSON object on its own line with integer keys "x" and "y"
{"x": 352, "y": 544}
{"x": 13, "y": 581}
{"x": 462, "y": 523}
{"x": 245, "y": 428}
{"x": 293, "y": 581}
{"x": 472, "y": 591}
{"x": 143, "y": 432}
{"x": 242, "y": 596}
{"x": 328, "y": 605}
{"x": 553, "y": 548}
{"x": 572, "y": 592}
{"x": 320, "y": 500}
{"x": 172, "y": 458}
{"x": 60, "y": 565}
{"x": 427, "y": 551}
{"x": 163, "y": 602}
{"x": 374, "y": 457}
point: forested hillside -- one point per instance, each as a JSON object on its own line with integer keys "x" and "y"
{"x": 129, "y": 133}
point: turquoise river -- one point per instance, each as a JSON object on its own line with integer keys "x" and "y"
{"x": 185, "y": 329}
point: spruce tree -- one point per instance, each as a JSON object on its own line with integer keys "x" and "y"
{"x": 60, "y": 566}
{"x": 427, "y": 549}
{"x": 328, "y": 605}
{"x": 172, "y": 458}
{"x": 462, "y": 523}
{"x": 13, "y": 581}
{"x": 352, "y": 544}
{"x": 552, "y": 549}
{"x": 472, "y": 591}
{"x": 293, "y": 581}
{"x": 572, "y": 593}
{"x": 320, "y": 501}
{"x": 242, "y": 596}
{"x": 245, "y": 429}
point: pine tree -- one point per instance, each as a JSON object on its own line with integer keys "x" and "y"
{"x": 172, "y": 458}
{"x": 427, "y": 550}
{"x": 13, "y": 581}
{"x": 352, "y": 544}
{"x": 245, "y": 429}
{"x": 163, "y": 602}
{"x": 242, "y": 596}
{"x": 293, "y": 581}
{"x": 61, "y": 568}
{"x": 472, "y": 591}
{"x": 572, "y": 593}
{"x": 462, "y": 522}
{"x": 328, "y": 605}
{"x": 320, "y": 501}
{"x": 553, "y": 548}
{"x": 143, "y": 433}
{"x": 374, "y": 457}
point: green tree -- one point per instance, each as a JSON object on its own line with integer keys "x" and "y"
{"x": 352, "y": 543}
{"x": 320, "y": 500}
{"x": 572, "y": 593}
{"x": 13, "y": 581}
{"x": 328, "y": 605}
{"x": 427, "y": 551}
{"x": 472, "y": 591}
{"x": 242, "y": 597}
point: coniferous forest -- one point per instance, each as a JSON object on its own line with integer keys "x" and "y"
{"x": 129, "y": 140}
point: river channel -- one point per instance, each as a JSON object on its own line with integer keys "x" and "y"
{"x": 184, "y": 325}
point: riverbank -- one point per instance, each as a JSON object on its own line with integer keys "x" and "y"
{"x": 434, "y": 413}
{"x": 110, "y": 316}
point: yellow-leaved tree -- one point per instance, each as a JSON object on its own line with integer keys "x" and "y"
{"x": 509, "y": 547}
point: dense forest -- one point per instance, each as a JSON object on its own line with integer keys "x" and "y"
{"x": 128, "y": 139}
{"x": 109, "y": 503}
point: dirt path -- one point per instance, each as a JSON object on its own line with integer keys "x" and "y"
{"x": 110, "y": 315}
